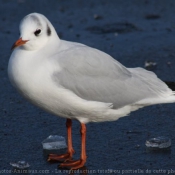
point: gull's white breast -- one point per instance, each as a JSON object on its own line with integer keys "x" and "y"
{"x": 30, "y": 73}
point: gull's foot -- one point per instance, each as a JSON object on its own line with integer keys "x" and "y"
{"x": 61, "y": 158}
{"x": 73, "y": 164}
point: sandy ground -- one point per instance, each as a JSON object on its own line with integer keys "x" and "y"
{"x": 133, "y": 32}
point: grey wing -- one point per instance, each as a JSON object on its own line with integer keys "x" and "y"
{"x": 95, "y": 76}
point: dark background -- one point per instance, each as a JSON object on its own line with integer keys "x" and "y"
{"x": 132, "y": 32}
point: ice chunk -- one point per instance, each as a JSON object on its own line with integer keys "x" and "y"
{"x": 158, "y": 142}
{"x": 150, "y": 64}
{"x": 20, "y": 165}
{"x": 54, "y": 142}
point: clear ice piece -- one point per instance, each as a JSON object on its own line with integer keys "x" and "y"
{"x": 150, "y": 64}
{"x": 158, "y": 142}
{"x": 20, "y": 165}
{"x": 54, "y": 142}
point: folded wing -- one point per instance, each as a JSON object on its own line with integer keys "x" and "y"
{"x": 95, "y": 76}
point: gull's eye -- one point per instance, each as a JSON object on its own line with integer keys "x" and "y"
{"x": 37, "y": 32}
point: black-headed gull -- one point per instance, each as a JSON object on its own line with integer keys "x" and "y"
{"x": 75, "y": 81}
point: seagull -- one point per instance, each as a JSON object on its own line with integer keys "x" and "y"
{"x": 75, "y": 81}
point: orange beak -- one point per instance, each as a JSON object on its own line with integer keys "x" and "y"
{"x": 19, "y": 42}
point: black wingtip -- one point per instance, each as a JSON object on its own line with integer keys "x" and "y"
{"x": 170, "y": 84}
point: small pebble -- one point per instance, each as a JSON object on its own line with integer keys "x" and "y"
{"x": 97, "y": 17}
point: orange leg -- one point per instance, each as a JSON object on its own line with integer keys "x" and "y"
{"x": 70, "y": 150}
{"x": 76, "y": 164}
